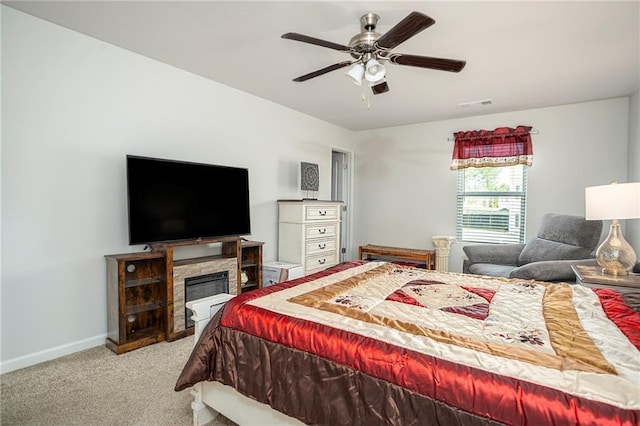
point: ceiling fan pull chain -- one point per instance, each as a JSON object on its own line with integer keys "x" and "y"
{"x": 366, "y": 99}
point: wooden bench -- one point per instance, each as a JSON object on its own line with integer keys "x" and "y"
{"x": 427, "y": 256}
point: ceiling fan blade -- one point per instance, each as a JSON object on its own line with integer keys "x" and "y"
{"x": 323, "y": 71}
{"x": 380, "y": 88}
{"x": 441, "y": 64}
{"x": 411, "y": 25}
{"x": 316, "y": 41}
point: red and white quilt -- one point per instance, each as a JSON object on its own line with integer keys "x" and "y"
{"x": 514, "y": 352}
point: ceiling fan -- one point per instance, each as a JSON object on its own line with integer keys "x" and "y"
{"x": 369, "y": 49}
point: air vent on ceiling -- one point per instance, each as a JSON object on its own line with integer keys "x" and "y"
{"x": 483, "y": 102}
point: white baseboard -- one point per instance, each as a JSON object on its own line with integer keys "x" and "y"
{"x": 49, "y": 354}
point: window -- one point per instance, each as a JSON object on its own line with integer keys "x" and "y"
{"x": 491, "y": 204}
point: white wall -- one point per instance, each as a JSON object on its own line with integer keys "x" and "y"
{"x": 406, "y": 193}
{"x": 632, "y": 232}
{"x": 73, "y": 107}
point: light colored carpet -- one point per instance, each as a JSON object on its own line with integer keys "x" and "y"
{"x": 97, "y": 387}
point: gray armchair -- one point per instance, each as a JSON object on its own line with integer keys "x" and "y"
{"x": 562, "y": 241}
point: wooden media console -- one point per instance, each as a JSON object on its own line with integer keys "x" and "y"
{"x": 146, "y": 294}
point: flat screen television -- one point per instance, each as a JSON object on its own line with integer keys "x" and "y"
{"x": 177, "y": 200}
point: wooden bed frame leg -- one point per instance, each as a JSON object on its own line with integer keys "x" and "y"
{"x": 202, "y": 413}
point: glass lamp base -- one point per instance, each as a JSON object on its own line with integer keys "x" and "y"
{"x": 615, "y": 272}
{"x": 615, "y": 255}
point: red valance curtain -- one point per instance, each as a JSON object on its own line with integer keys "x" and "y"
{"x": 503, "y": 146}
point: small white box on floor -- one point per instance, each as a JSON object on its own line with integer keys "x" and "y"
{"x": 277, "y": 272}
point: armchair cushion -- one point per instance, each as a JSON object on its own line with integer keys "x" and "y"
{"x": 491, "y": 269}
{"x": 549, "y": 270}
{"x": 538, "y": 250}
{"x": 573, "y": 230}
{"x": 503, "y": 254}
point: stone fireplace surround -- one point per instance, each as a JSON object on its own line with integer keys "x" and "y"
{"x": 224, "y": 255}
{"x": 195, "y": 267}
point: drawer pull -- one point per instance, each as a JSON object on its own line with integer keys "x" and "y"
{"x": 322, "y": 262}
{"x": 322, "y": 231}
{"x": 322, "y": 246}
{"x": 323, "y": 213}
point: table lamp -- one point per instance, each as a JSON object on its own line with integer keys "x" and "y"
{"x": 614, "y": 202}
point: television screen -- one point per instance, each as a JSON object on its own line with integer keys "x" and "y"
{"x": 175, "y": 200}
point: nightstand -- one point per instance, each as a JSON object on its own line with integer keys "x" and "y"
{"x": 592, "y": 276}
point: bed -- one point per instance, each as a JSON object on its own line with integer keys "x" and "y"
{"x": 366, "y": 343}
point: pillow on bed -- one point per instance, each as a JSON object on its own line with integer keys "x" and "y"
{"x": 539, "y": 249}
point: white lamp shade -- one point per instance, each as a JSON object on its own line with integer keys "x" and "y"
{"x": 375, "y": 71}
{"x": 615, "y": 201}
{"x": 355, "y": 74}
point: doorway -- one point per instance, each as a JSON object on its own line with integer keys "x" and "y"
{"x": 341, "y": 178}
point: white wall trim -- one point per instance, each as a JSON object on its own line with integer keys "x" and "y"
{"x": 53, "y": 353}
{"x": 350, "y": 153}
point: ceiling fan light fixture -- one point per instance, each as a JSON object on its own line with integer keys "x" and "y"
{"x": 355, "y": 74}
{"x": 375, "y": 83}
{"x": 375, "y": 71}
{"x": 369, "y": 48}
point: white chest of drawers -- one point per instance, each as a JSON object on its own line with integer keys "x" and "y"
{"x": 309, "y": 233}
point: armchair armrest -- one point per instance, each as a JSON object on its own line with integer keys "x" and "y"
{"x": 550, "y": 270}
{"x": 501, "y": 254}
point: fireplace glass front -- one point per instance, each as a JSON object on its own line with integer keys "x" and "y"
{"x": 204, "y": 286}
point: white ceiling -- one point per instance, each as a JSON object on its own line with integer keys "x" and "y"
{"x": 519, "y": 54}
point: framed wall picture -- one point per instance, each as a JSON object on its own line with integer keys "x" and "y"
{"x": 309, "y": 177}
